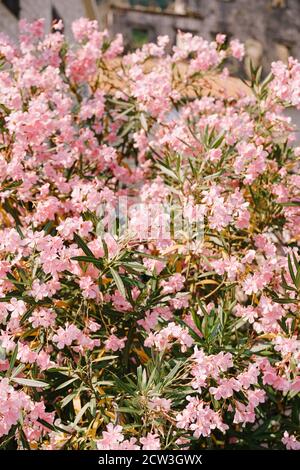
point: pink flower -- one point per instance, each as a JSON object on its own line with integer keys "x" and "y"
{"x": 85, "y": 127}
{"x": 255, "y": 397}
{"x": 83, "y": 28}
{"x": 231, "y": 266}
{"x": 237, "y": 49}
{"x": 25, "y": 354}
{"x": 90, "y": 289}
{"x": 199, "y": 418}
{"x": 150, "y": 442}
{"x": 154, "y": 265}
{"x": 174, "y": 284}
{"x": 287, "y": 345}
{"x": 243, "y": 414}
{"x": 150, "y": 320}
{"x": 225, "y": 388}
{"x": 111, "y": 437}
{"x": 206, "y": 366}
{"x": 160, "y": 404}
{"x": 220, "y": 38}
{"x": 114, "y": 343}
{"x": 16, "y": 307}
{"x": 93, "y": 325}
{"x": 15, "y": 403}
{"x": 214, "y": 155}
{"x": 249, "y": 313}
{"x": 43, "y": 361}
{"x": 120, "y": 303}
{"x": 68, "y": 227}
{"x": 43, "y": 317}
{"x": 290, "y": 441}
{"x": 249, "y": 376}
{"x": 65, "y": 337}
{"x": 162, "y": 339}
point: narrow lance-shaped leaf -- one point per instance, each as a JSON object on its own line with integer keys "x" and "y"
{"x": 118, "y": 281}
{"x": 12, "y": 360}
{"x": 30, "y": 382}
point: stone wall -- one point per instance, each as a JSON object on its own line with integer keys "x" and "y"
{"x": 269, "y": 28}
{"x": 68, "y": 10}
{"x": 8, "y": 22}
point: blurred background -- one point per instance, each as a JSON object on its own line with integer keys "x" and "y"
{"x": 270, "y": 29}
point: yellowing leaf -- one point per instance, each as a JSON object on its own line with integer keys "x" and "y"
{"x": 60, "y": 304}
{"x": 142, "y": 355}
{"x": 77, "y": 404}
{"x": 267, "y": 336}
{"x": 110, "y": 414}
{"x": 207, "y": 282}
{"x": 106, "y": 280}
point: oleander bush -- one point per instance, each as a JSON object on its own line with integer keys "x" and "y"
{"x": 117, "y": 333}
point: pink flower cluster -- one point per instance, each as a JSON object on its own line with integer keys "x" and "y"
{"x": 200, "y": 418}
{"x": 164, "y": 338}
{"x": 138, "y": 339}
{"x": 14, "y": 404}
{"x": 113, "y": 439}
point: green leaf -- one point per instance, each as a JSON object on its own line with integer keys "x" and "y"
{"x": 297, "y": 283}
{"x": 2, "y": 353}
{"x": 118, "y": 281}
{"x": 285, "y": 300}
{"x": 48, "y": 227}
{"x": 127, "y": 409}
{"x": 101, "y": 383}
{"x": 81, "y": 413}
{"x": 23, "y": 438}
{"x": 78, "y": 240}
{"x": 65, "y": 384}
{"x": 68, "y": 398}
{"x": 144, "y": 122}
{"x": 140, "y": 268}
{"x": 290, "y": 204}
{"x": 127, "y": 129}
{"x": 291, "y": 269}
{"x": 105, "y": 248}
{"x": 172, "y": 374}
{"x": 30, "y": 382}
{"x": 104, "y": 358}
{"x": 167, "y": 172}
{"x": 297, "y": 268}
{"x": 12, "y": 360}
{"x": 27, "y": 314}
{"x": 196, "y": 319}
{"x": 89, "y": 259}
{"x": 17, "y": 370}
{"x": 218, "y": 140}
{"x": 52, "y": 427}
